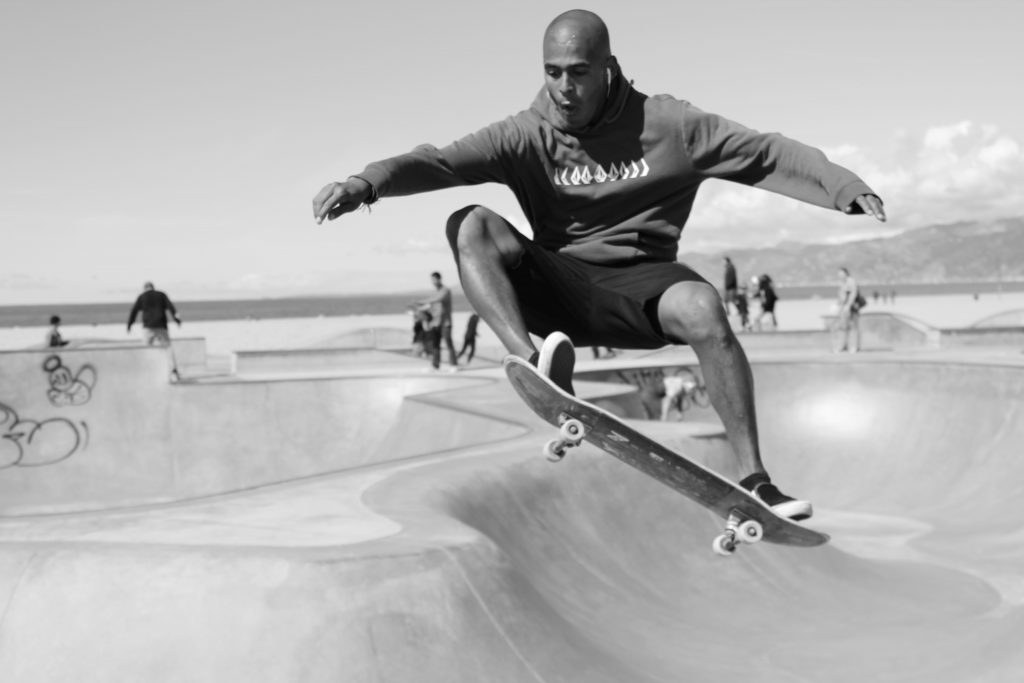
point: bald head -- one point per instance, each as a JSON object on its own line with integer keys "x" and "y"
{"x": 578, "y": 67}
{"x": 583, "y": 30}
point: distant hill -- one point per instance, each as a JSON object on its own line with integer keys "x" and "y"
{"x": 942, "y": 254}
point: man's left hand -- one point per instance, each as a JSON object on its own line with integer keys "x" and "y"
{"x": 870, "y": 205}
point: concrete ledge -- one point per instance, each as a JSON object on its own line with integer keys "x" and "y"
{"x": 890, "y": 330}
{"x": 245, "y": 363}
{"x": 982, "y": 336}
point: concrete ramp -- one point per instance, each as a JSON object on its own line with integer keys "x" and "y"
{"x": 477, "y": 560}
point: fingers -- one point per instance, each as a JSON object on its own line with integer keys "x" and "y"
{"x": 875, "y": 207}
{"x": 870, "y": 205}
{"x": 325, "y": 202}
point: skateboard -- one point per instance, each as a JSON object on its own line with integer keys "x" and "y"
{"x": 747, "y": 520}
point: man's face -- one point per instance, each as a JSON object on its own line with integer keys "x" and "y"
{"x": 576, "y": 80}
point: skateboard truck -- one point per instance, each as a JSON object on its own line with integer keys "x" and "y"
{"x": 737, "y": 530}
{"x": 571, "y": 432}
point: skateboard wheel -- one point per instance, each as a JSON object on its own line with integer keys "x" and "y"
{"x": 724, "y": 544}
{"x": 750, "y": 531}
{"x": 554, "y": 450}
{"x": 572, "y": 430}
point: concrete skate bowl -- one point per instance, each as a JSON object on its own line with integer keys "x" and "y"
{"x": 591, "y": 572}
{"x": 196, "y": 440}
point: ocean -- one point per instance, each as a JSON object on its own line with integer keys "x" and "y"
{"x": 38, "y": 315}
{"x": 245, "y": 309}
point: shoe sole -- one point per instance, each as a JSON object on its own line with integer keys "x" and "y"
{"x": 557, "y": 359}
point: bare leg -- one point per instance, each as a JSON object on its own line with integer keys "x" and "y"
{"x": 691, "y": 312}
{"x": 484, "y": 249}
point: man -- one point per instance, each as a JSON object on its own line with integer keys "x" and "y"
{"x": 607, "y": 177}
{"x": 54, "y": 339}
{"x": 730, "y": 284}
{"x": 154, "y": 306}
{"x": 469, "y": 339}
{"x": 766, "y": 294}
{"x": 441, "y": 309}
{"x": 848, "y": 316}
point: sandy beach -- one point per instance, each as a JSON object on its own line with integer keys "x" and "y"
{"x": 224, "y": 337}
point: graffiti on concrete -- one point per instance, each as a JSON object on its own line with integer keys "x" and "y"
{"x": 66, "y": 387}
{"x": 35, "y": 443}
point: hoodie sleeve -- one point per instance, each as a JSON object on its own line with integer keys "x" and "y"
{"x": 474, "y": 159}
{"x": 723, "y": 149}
{"x": 135, "y": 311}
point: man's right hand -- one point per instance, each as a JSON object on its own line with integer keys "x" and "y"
{"x": 340, "y": 198}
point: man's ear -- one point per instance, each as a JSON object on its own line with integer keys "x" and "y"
{"x": 612, "y": 68}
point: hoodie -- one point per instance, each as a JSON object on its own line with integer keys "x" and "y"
{"x": 621, "y": 190}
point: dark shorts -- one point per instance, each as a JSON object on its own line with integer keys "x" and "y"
{"x": 595, "y": 305}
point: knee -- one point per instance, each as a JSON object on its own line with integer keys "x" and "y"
{"x": 477, "y": 232}
{"x": 692, "y": 312}
{"x": 467, "y": 227}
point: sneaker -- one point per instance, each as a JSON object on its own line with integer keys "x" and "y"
{"x": 761, "y": 487}
{"x": 556, "y": 361}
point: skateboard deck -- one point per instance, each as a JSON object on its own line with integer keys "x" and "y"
{"x": 747, "y": 519}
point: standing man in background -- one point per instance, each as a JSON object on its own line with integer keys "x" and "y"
{"x": 441, "y": 308}
{"x": 154, "y": 306}
{"x": 469, "y": 340}
{"x": 848, "y": 317}
{"x": 730, "y": 285}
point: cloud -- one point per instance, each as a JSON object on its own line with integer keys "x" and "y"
{"x": 948, "y": 173}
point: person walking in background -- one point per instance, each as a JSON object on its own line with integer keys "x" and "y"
{"x": 606, "y": 177}
{"x": 155, "y": 306}
{"x": 431, "y": 323}
{"x": 743, "y": 306}
{"x": 420, "y": 316}
{"x": 53, "y": 336}
{"x": 850, "y": 302}
{"x": 768, "y": 297}
{"x": 441, "y": 309}
{"x": 469, "y": 339}
{"x": 730, "y": 285}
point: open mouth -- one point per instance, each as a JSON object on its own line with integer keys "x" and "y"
{"x": 569, "y": 110}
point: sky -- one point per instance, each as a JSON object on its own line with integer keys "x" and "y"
{"x": 183, "y": 142}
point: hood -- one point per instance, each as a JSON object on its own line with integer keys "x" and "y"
{"x": 613, "y": 106}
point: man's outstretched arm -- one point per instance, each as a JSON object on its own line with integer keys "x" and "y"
{"x": 471, "y": 160}
{"x": 724, "y": 149}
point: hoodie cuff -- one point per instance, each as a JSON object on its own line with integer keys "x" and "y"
{"x": 848, "y": 193}
{"x": 377, "y": 178}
